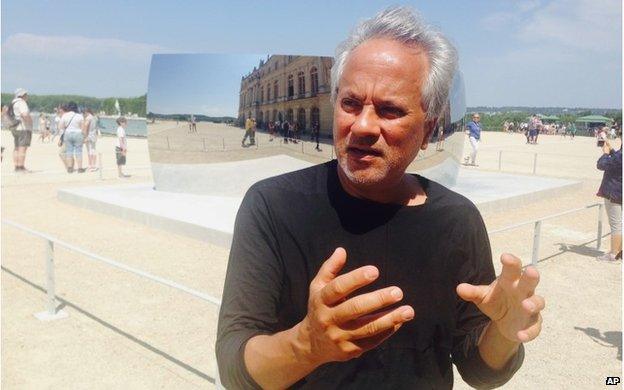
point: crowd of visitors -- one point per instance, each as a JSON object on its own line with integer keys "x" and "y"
{"x": 75, "y": 128}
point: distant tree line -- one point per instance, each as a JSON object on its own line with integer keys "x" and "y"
{"x": 47, "y": 103}
{"x": 494, "y": 121}
{"x": 186, "y": 117}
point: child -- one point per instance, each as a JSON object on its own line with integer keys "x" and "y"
{"x": 121, "y": 147}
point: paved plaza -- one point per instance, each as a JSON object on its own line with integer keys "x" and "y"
{"x": 127, "y": 332}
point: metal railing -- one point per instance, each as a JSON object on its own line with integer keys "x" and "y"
{"x": 50, "y": 241}
{"x": 51, "y": 312}
{"x": 51, "y": 303}
{"x": 537, "y": 228}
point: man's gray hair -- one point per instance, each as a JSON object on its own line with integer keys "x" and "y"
{"x": 406, "y": 26}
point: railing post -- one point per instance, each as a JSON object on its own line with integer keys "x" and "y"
{"x": 599, "y": 236}
{"x": 100, "y": 166}
{"x": 500, "y": 160}
{"x": 168, "y": 146}
{"x": 534, "y": 163}
{"x": 536, "y": 241}
{"x": 204, "y": 141}
{"x": 50, "y": 313}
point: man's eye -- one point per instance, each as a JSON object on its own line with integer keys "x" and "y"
{"x": 350, "y": 104}
{"x": 391, "y": 112}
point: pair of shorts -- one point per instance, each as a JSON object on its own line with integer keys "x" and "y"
{"x": 73, "y": 142}
{"x": 121, "y": 158}
{"x": 21, "y": 138}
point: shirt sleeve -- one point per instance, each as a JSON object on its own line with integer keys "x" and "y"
{"x": 477, "y": 268}
{"x": 252, "y": 289}
{"x": 611, "y": 161}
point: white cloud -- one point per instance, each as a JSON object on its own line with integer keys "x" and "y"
{"x": 76, "y": 65}
{"x": 592, "y": 25}
{"x": 76, "y": 47}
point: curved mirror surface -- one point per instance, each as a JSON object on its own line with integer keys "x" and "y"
{"x": 215, "y": 122}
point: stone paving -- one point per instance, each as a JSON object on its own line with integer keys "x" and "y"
{"x": 127, "y": 332}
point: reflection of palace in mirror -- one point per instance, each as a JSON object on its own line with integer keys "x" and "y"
{"x": 293, "y": 88}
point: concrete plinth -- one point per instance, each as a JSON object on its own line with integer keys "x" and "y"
{"x": 211, "y": 217}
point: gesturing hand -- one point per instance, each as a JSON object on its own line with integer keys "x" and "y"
{"x": 339, "y": 329}
{"x": 510, "y": 301}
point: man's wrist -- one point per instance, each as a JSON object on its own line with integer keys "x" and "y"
{"x": 495, "y": 349}
{"x": 299, "y": 343}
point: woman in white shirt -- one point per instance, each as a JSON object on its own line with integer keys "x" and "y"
{"x": 74, "y": 132}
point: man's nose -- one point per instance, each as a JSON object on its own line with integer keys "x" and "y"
{"x": 366, "y": 123}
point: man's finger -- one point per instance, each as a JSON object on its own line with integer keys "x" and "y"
{"x": 472, "y": 293}
{"x": 512, "y": 267}
{"x": 369, "y": 343}
{"x": 534, "y": 304}
{"x": 529, "y": 281}
{"x": 366, "y": 303}
{"x": 329, "y": 269}
{"x": 344, "y": 285}
{"x": 369, "y": 326}
{"x": 532, "y": 331}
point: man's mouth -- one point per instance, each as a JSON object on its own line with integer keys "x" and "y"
{"x": 362, "y": 152}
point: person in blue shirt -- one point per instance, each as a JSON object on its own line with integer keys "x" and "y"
{"x": 611, "y": 190}
{"x": 473, "y": 129}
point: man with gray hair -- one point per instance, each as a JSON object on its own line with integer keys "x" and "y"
{"x": 418, "y": 292}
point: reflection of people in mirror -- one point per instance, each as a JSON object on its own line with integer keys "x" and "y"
{"x": 473, "y": 129}
{"x": 353, "y": 273}
{"x": 440, "y": 143}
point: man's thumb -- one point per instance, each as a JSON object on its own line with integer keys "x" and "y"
{"x": 471, "y": 293}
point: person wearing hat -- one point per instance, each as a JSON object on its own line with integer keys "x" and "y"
{"x": 22, "y": 134}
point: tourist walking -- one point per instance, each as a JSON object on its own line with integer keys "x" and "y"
{"x": 285, "y": 130}
{"x": 611, "y": 190}
{"x": 74, "y": 132}
{"x": 474, "y": 135}
{"x": 61, "y": 143}
{"x": 21, "y": 126}
{"x": 91, "y": 140}
{"x": 250, "y": 123}
{"x": 316, "y": 130}
{"x": 271, "y": 131}
{"x": 121, "y": 148}
{"x": 44, "y": 127}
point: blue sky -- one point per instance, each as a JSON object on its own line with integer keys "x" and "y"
{"x": 525, "y": 52}
{"x": 197, "y": 83}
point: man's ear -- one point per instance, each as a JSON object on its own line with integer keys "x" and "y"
{"x": 429, "y": 127}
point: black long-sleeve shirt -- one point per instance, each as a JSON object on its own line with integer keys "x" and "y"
{"x": 287, "y": 226}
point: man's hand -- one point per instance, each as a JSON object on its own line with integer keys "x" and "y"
{"x": 339, "y": 329}
{"x": 606, "y": 147}
{"x": 510, "y": 301}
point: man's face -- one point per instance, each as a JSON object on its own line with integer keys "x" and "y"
{"x": 476, "y": 118}
{"x": 379, "y": 119}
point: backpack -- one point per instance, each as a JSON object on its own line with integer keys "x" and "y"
{"x": 9, "y": 120}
